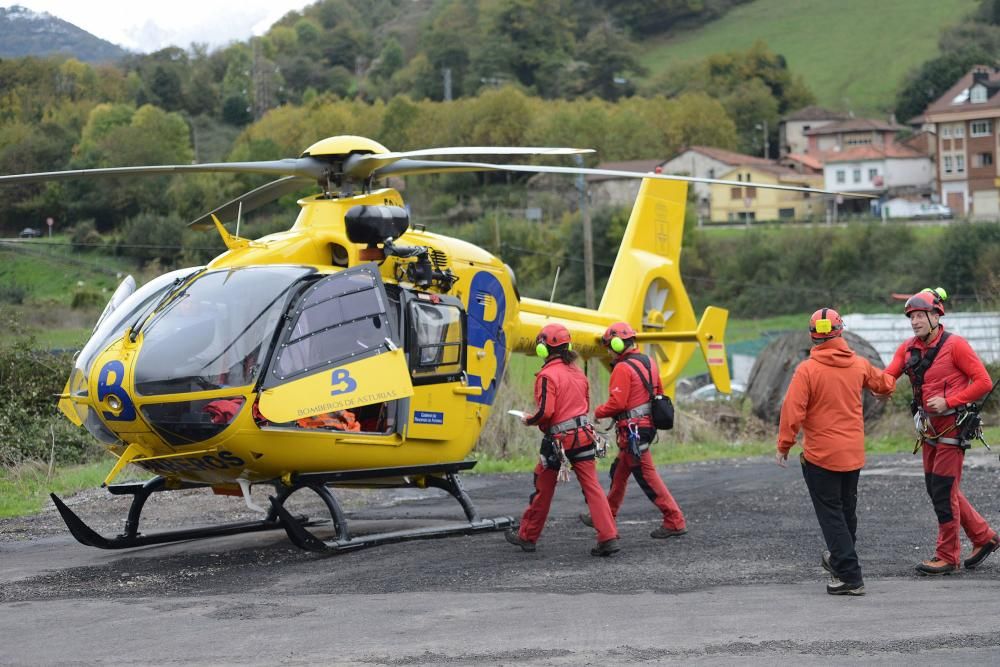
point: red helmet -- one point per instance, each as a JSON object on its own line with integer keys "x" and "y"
{"x": 825, "y": 323}
{"x": 553, "y": 335}
{"x": 928, "y": 300}
{"x": 620, "y": 330}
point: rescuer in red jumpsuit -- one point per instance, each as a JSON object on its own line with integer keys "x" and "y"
{"x": 562, "y": 394}
{"x": 629, "y": 405}
{"x": 945, "y": 375}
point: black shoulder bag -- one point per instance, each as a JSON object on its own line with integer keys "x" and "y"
{"x": 661, "y": 409}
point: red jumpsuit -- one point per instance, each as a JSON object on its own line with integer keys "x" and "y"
{"x": 628, "y": 391}
{"x": 563, "y": 393}
{"x": 959, "y": 376}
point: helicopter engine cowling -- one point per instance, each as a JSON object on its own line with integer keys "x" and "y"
{"x": 375, "y": 224}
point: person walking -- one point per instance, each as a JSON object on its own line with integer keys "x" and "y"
{"x": 633, "y": 376}
{"x": 562, "y": 394}
{"x": 945, "y": 375}
{"x": 824, "y": 401}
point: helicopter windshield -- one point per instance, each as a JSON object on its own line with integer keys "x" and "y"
{"x": 114, "y": 324}
{"x": 215, "y": 332}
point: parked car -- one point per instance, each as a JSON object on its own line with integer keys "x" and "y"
{"x": 933, "y": 211}
{"x": 30, "y": 233}
{"x": 710, "y": 393}
{"x": 916, "y": 210}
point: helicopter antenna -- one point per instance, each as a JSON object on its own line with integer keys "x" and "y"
{"x": 239, "y": 216}
{"x": 555, "y": 281}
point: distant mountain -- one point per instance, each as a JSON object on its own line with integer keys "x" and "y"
{"x": 27, "y": 33}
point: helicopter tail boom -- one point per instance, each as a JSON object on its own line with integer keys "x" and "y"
{"x": 644, "y": 289}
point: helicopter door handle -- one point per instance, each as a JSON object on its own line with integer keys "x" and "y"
{"x": 468, "y": 391}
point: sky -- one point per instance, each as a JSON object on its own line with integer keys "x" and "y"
{"x": 145, "y": 27}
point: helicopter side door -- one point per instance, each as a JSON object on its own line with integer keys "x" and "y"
{"x": 339, "y": 353}
{"x": 436, "y": 333}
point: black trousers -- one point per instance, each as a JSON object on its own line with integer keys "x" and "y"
{"x": 835, "y": 499}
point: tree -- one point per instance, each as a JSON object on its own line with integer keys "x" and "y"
{"x": 609, "y": 56}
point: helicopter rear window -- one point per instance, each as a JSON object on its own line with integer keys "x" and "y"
{"x": 337, "y": 320}
{"x": 436, "y": 332}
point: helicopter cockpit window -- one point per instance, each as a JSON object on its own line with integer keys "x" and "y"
{"x": 214, "y": 333}
{"x": 436, "y": 335}
{"x": 336, "y": 320}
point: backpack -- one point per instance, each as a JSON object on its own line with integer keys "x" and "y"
{"x": 661, "y": 409}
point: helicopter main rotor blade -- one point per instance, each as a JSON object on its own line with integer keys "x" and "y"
{"x": 252, "y": 200}
{"x": 362, "y": 166}
{"x": 305, "y": 167}
{"x": 408, "y": 167}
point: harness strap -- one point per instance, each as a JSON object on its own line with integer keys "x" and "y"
{"x": 581, "y": 454}
{"x": 916, "y": 366}
{"x": 635, "y": 413}
{"x": 569, "y": 425}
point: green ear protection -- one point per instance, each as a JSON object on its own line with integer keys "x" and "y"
{"x": 542, "y": 350}
{"x": 617, "y": 344}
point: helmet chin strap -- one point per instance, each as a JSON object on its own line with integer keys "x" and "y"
{"x": 933, "y": 327}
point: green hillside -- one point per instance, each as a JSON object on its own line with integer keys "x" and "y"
{"x": 853, "y": 54}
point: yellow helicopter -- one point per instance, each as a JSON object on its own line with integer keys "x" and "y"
{"x": 354, "y": 349}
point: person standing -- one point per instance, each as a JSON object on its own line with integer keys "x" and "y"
{"x": 633, "y": 374}
{"x": 945, "y": 375}
{"x": 562, "y": 394}
{"x": 824, "y": 401}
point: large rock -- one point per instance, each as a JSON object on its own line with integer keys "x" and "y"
{"x": 773, "y": 369}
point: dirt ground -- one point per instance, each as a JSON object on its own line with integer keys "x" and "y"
{"x": 743, "y": 586}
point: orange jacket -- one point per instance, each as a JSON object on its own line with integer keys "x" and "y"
{"x": 824, "y": 401}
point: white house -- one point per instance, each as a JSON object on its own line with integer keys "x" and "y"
{"x": 892, "y": 169}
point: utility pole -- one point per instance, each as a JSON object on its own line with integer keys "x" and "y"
{"x": 588, "y": 237}
{"x": 767, "y": 149}
{"x": 588, "y": 257}
{"x": 446, "y": 73}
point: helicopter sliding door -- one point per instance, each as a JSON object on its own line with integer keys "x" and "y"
{"x": 338, "y": 362}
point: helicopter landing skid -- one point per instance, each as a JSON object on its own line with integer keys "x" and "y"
{"x": 140, "y": 492}
{"x": 299, "y": 534}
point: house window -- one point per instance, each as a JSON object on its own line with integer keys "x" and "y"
{"x": 786, "y": 213}
{"x": 948, "y": 166}
{"x": 959, "y": 164}
{"x": 736, "y": 193}
{"x": 981, "y": 128}
{"x": 946, "y": 131}
{"x": 959, "y": 131}
{"x": 857, "y": 175}
{"x": 982, "y": 160}
{"x": 872, "y": 173}
{"x": 977, "y": 94}
{"x": 841, "y": 176}
{"x": 751, "y": 193}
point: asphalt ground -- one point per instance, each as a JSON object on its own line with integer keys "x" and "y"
{"x": 743, "y": 586}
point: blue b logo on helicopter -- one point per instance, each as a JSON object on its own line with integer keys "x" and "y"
{"x": 342, "y": 376}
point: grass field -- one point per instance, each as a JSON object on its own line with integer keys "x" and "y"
{"x": 853, "y": 54}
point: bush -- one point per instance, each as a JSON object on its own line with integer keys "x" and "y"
{"x": 29, "y": 419}
{"x": 13, "y": 293}
{"x": 87, "y": 298}
{"x": 85, "y": 236}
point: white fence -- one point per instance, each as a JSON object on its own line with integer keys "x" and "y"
{"x": 886, "y": 332}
